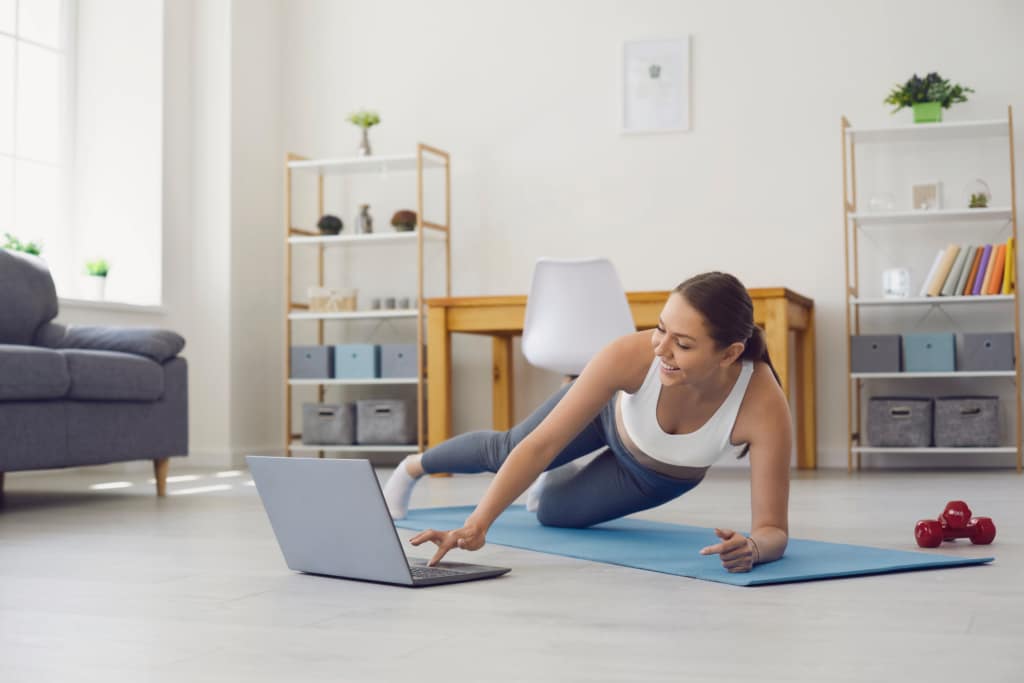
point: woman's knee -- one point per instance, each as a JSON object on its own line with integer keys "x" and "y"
{"x": 553, "y": 514}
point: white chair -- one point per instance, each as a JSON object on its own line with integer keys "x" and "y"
{"x": 574, "y": 309}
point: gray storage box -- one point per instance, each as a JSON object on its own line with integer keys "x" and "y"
{"x": 398, "y": 360}
{"x": 987, "y": 351}
{"x": 385, "y": 422}
{"x": 326, "y": 423}
{"x": 875, "y": 353}
{"x": 967, "y": 421}
{"x": 895, "y": 421}
{"x": 312, "y": 362}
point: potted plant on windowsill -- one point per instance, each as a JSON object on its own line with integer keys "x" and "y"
{"x": 927, "y": 96}
{"x": 14, "y": 244}
{"x": 96, "y": 280}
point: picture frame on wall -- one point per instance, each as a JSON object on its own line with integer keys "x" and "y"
{"x": 926, "y": 196}
{"x": 656, "y": 85}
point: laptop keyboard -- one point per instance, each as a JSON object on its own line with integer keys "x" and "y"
{"x": 421, "y": 572}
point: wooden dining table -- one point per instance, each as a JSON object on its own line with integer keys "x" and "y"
{"x": 781, "y": 312}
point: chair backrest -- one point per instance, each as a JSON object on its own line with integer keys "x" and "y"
{"x": 27, "y": 297}
{"x": 574, "y": 309}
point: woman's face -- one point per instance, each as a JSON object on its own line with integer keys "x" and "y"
{"x": 681, "y": 342}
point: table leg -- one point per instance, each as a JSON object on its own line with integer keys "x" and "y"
{"x": 806, "y": 421}
{"x": 776, "y": 332}
{"x": 439, "y": 377}
{"x": 502, "y": 389}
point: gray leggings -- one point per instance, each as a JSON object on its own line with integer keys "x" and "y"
{"x": 613, "y": 485}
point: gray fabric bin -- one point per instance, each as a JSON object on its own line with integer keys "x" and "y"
{"x": 328, "y": 424}
{"x": 385, "y": 422}
{"x": 986, "y": 351}
{"x": 967, "y": 421}
{"x": 312, "y": 362}
{"x": 875, "y": 353}
{"x": 900, "y": 421}
{"x": 398, "y": 361}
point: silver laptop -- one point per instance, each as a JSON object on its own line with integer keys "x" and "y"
{"x": 330, "y": 518}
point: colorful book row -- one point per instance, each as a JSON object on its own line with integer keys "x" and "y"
{"x": 967, "y": 270}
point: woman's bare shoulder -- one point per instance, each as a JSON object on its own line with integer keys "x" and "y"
{"x": 629, "y": 358}
{"x": 764, "y": 402}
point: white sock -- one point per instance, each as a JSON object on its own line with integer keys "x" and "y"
{"x": 555, "y": 476}
{"x": 397, "y": 491}
{"x": 533, "y": 494}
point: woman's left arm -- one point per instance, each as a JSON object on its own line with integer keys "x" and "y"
{"x": 771, "y": 446}
{"x": 769, "y": 428}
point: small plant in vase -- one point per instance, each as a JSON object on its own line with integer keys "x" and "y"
{"x": 14, "y": 244}
{"x": 96, "y": 281}
{"x": 927, "y": 96}
{"x": 366, "y": 120}
{"x": 978, "y": 201}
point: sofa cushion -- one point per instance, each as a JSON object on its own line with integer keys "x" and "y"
{"x": 28, "y": 373}
{"x": 112, "y": 376}
{"x": 27, "y": 296}
{"x": 159, "y": 345}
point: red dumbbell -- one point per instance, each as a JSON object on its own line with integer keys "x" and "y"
{"x": 954, "y": 522}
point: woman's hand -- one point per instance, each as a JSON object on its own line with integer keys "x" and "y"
{"x": 738, "y": 552}
{"x": 469, "y": 537}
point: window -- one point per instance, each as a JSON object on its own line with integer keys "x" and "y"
{"x": 81, "y": 145}
{"x": 34, "y": 124}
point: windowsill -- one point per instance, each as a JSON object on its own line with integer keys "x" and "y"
{"x": 90, "y": 304}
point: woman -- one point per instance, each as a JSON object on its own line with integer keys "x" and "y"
{"x": 667, "y": 403}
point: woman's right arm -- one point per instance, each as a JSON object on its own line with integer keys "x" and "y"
{"x": 607, "y": 372}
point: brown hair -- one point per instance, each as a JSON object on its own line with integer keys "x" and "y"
{"x": 728, "y": 313}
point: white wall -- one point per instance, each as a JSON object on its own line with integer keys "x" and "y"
{"x": 526, "y": 96}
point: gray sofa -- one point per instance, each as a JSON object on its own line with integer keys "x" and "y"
{"x": 83, "y": 395}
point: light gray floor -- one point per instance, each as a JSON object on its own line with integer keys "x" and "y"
{"x": 119, "y": 585}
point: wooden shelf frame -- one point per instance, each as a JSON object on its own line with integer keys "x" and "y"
{"x": 427, "y": 158}
{"x": 854, "y": 221}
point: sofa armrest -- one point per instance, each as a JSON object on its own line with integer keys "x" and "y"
{"x": 158, "y": 345}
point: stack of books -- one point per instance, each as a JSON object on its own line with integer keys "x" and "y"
{"x": 967, "y": 270}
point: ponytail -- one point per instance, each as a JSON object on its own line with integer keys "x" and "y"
{"x": 757, "y": 350}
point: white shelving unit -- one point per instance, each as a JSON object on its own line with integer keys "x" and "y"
{"x": 425, "y": 158}
{"x": 856, "y": 221}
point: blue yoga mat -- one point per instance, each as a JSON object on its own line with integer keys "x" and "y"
{"x": 673, "y": 548}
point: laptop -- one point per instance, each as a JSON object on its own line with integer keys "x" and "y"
{"x": 330, "y": 518}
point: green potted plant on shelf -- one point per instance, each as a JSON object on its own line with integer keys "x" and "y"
{"x": 14, "y": 244}
{"x": 927, "y": 96}
{"x": 96, "y": 280}
{"x": 366, "y": 120}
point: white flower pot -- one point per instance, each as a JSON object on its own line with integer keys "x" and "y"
{"x": 94, "y": 287}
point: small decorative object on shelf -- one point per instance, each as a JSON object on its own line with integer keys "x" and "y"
{"x": 882, "y": 202}
{"x": 14, "y": 244}
{"x": 404, "y": 220}
{"x": 330, "y": 225}
{"x": 926, "y": 196}
{"x": 977, "y": 195}
{"x": 364, "y": 221}
{"x": 896, "y": 283}
{"x": 96, "y": 280}
{"x": 366, "y": 120}
{"x": 927, "y": 96}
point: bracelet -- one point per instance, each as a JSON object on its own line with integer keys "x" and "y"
{"x": 757, "y": 551}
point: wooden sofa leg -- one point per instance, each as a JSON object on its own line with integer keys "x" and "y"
{"x": 160, "y": 467}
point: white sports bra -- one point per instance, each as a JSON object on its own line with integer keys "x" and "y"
{"x": 700, "y": 448}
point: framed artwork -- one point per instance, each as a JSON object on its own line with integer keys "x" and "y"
{"x": 656, "y": 86}
{"x": 926, "y": 196}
